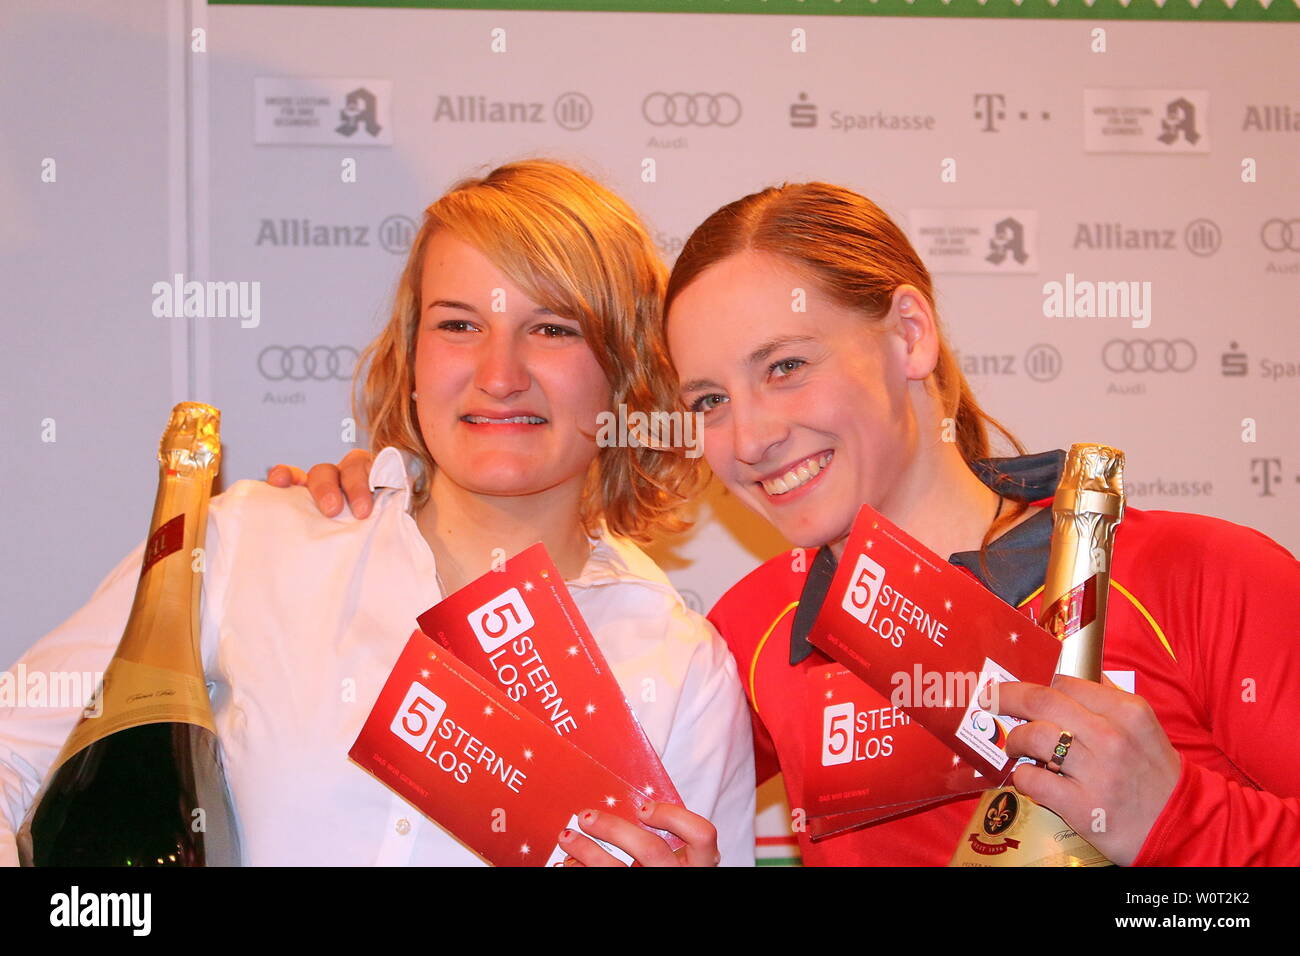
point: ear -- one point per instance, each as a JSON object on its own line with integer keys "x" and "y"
{"x": 913, "y": 318}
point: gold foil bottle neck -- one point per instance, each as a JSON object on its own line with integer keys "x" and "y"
{"x": 192, "y": 439}
{"x": 1092, "y": 467}
{"x": 1092, "y": 480}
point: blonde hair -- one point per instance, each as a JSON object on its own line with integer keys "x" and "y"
{"x": 859, "y": 256}
{"x": 579, "y": 250}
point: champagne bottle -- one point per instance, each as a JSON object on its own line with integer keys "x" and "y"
{"x": 139, "y": 781}
{"x": 1009, "y": 829}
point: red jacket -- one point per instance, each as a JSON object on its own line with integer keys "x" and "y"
{"x": 1201, "y": 610}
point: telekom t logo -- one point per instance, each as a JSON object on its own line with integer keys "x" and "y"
{"x": 864, "y": 588}
{"x": 501, "y": 620}
{"x": 990, "y": 107}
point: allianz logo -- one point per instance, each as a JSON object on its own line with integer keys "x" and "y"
{"x": 571, "y": 110}
{"x": 1201, "y": 237}
{"x": 393, "y": 234}
{"x": 1041, "y": 363}
{"x": 987, "y": 363}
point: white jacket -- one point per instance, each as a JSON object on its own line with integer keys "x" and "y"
{"x": 302, "y": 618}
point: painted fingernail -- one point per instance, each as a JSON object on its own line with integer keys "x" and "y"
{"x": 588, "y": 816}
{"x": 646, "y": 808}
{"x": 566, "y": 835}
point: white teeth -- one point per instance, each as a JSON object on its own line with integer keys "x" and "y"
{"x": 517, "y": 420}
{"x": 802, "y": 473}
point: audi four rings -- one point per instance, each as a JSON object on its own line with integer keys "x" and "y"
{"x": 1148, "y": 355}
{"x": 1281, "y": 235}
{"x": 302, "y": 363}
{"x": 691, "y": 109}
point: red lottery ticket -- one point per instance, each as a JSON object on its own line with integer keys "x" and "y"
{"x": 479, "y": 764}
{"x": 928, "y": 638}
{"x": 519, "y": 627}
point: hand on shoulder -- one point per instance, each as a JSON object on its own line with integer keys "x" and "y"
{"x": 329, "y": 484}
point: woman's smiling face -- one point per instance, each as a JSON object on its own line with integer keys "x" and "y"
{"x": 509, "y": 392}
{"x": 807, "y": 413}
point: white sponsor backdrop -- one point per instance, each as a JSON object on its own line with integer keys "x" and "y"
{"x": 225, "y": 165}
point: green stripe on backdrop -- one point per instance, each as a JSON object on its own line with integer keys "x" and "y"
{"x": 1242, "y": 11}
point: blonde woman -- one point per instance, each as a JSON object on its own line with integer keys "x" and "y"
{"x": 518, "y": 318}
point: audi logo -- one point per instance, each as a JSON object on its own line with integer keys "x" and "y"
{"x": 691, "y": 109}
{"x": 1281, "y": 235}
{"x": 1148, "y": 355}
{"x": 304, "y": 363}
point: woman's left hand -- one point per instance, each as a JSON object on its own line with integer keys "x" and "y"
{"x": 1120, "y": 768}
{"x": 646, "y": 848}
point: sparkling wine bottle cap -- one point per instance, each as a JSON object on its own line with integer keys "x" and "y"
{"x": 1092, "y": 480}
{"x": 192, "y": 439}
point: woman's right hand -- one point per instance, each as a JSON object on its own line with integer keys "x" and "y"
{"x": 698, "y": 835}
{"x": 329, "y": 483}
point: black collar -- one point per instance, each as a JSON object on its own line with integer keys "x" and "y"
{"x": 1017, "y": 561}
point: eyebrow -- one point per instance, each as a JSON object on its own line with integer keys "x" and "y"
{"x": 760, "y": 354}
{"x": 464, "y": 306}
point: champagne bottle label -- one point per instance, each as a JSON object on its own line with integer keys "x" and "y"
{"x": 1073, "y": 610}
{"x": 133, "y": 694}
{"x": 1009, "y": 822}
{"x": 168, "y": 539}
